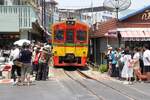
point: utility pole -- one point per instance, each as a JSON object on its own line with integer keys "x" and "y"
{"x": 44, "y": 15}
{"x": 42, "y": 11}
{"x": 43, "y": 20}
{"x": 92, "y": 18}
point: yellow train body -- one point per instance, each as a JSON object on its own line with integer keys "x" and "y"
{"x": 77, "y": 51}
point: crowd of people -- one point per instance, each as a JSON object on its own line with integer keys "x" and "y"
{"x": 29, "y": 60}
{"x": 129, "y": 64}
{"x": 32, "y": 60}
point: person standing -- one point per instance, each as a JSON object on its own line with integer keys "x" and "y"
{"x": 146, "y": 61}
{"x": 119, "y": 64}
{"x": 136, "y": 66}
{"x": 14, "y": 56}
{"x": 141, "y": 59}
{"x": 127, "y": 71}
{"x": 109, "y": 60}
{"x": 113, "y": 63}
{"x": 25, "y": 58}
{"x": 35, "y": 60}
{"x": 43, "y": 65}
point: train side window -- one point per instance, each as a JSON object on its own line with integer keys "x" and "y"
{"x": 81, "y": 35}
{"x": 69, "y": 36}
{"x": 59, "y": 35}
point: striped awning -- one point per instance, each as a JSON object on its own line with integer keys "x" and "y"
{"x": 130, "y": 34}
{"x": 135, "y": 35}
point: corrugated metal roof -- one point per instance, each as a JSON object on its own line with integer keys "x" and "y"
{"x": 126, "y": 12}
{"x": 135, "y": 12}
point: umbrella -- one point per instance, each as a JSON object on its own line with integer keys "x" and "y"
{"x": 21, "y": 41}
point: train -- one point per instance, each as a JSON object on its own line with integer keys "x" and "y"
{"x": 70, "y": 43}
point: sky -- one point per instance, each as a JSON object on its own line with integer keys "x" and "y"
{"x": 87, "y": 3}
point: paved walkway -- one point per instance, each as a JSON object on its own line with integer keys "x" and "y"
{"x": 7, "y": 80}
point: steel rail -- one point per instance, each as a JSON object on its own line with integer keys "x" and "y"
{"x": 119, "y": 91}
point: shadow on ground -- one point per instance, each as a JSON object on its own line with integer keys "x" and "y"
{"x": 73, "y": 68}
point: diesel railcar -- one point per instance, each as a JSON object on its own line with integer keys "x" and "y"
{"x": 70, "y": 43}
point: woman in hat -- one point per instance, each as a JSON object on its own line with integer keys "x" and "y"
{"x": 43, "y": 64}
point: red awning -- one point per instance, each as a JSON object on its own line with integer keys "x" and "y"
{"x": 135, "y": 35}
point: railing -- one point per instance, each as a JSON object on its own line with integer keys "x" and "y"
{"x": 25, "y": 13}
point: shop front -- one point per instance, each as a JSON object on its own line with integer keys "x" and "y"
{"x": 131, "y": 30}
{"x": 135, "y": 37}
{"x": 7, "y": 39}
{"x": 131, "y": 37}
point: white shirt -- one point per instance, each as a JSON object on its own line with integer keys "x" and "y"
{"x": 15, "y": 53}
{"x": 136, "y": 55}
{"x": 146, "y": 55}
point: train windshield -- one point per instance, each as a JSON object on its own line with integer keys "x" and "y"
{"x": 81, "y": 35}
{"x": 59, "y": 35}
{"x": 69, "y": 36}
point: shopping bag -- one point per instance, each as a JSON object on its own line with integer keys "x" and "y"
{"x": 18, "y": 63}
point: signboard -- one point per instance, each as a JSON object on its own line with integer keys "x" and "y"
{"x": 9, "y": 36}
{"x": 146, "y": 15}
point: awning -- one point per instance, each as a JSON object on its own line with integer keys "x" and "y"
{"x": 130, "y": 34}
{"x": 37, "y": 27}
{"x": 135, "y": 35}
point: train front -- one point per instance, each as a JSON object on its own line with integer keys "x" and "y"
{"x": 70, "y": 43}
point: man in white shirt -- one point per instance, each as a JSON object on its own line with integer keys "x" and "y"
{"x": 15, "y": 56}
{"x": 146, "y": 61}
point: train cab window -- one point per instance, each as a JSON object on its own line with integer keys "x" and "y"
{"x": 59, "y": 35}
{"x": 81, "y": 35}
{"x": 69, "y": 36}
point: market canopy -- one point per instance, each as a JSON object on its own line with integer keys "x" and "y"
{"x": 132, "y": 34}
{"x": 135, "y": 35}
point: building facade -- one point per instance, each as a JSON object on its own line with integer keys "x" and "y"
{"x": 86, "y": 16}
{"x": 47, "y": 13}
{"x": 100, "y": 16}
{"x": 16, "y": 21}
{"x": 22, "y": 19}
{"x": 131, "y": 30}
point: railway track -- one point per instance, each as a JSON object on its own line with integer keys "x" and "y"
{"x": 70, "y": 75}
{"x": 73, "y": 76}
